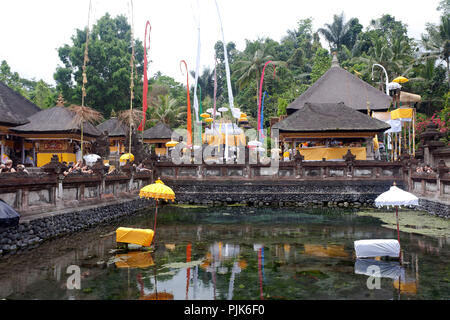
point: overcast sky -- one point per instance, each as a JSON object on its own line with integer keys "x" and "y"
{"x": 31, "y": 31}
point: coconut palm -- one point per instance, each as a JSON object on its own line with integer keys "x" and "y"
{"x": 251, "y": 66}
{"x": 166, "y": 109}
{"x": 85, "y": 114}
{"x": 437, "y": 42}
{"x": 337, "y": 32}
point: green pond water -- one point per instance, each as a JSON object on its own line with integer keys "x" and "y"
{"x": 239, "y": 253}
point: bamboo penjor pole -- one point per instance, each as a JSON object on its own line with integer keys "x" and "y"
{"x": 132, "y": 75}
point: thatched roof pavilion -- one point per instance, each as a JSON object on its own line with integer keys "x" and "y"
{"x": 158, "y": 135}
{"x": 339, "y": 85}
{"x": 14, "y": 108}
{"x": 329, "y": 119}
{"x": 56, "y": 120}
{"x": 14, "y": 111}
{"x": 114, "y": 127}
{"x": 117, "y": 133}
{"x": 55, "y": 131}
{"x": 329, "y": 130}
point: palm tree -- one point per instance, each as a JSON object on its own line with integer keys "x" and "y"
{"x": 337, "y": 32}
{"x": 85, "y": 114}
{"x": 167, "y": 110}
{"x": 252, "y": 66}
{"x": 437, "y": 42}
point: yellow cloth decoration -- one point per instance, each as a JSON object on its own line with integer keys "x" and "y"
{"x": 142, "y": 237}
{"x": 332, "y": 153}
{"x": 376, "y": 145}
{"x": 402, "y": 113}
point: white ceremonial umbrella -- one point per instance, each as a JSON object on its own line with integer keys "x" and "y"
{"x": 222, "y": 109}
{"x": 255, "y": 143}
{"x": 393, "y": 85}
{"x": 91, "y": 158}
{"x": 396, "y": 197}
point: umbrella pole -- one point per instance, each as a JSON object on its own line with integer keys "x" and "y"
{"x": 154, "y": 225}
{"x": 398, "y": 233}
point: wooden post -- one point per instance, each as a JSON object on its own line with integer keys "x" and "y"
{"x": 414, "y": 133}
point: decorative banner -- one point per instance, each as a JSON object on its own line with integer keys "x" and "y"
{"x": 227, "y": 67}
{"x": 262, "y": 111}
{"x": 196, "y": 76}
{"x": 189, "y": 121}
{"x": 145, "y": 87}
{"x": 260, "y": 93}
{"x": 215, "y": 90}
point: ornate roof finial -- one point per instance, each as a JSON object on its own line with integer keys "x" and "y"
{"x": 334, "y": 61}
{"x": 60, "y": 102}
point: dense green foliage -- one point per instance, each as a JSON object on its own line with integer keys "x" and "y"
{"x": 298, "y": 59}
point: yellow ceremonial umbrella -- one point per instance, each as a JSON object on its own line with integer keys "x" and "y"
{"x": 209, "y": 120}
{"x": 400, "y": 80}
{"x": 126, "y": 156}
{"x": 205, "y": 115}
{"x": 171, "y": 143}
{"x": 157, "y": 190}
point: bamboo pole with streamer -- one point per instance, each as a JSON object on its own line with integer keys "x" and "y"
{"x": 132, "y": 74}
{"x": 86, "y": 59}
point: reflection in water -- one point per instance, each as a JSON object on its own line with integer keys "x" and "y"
{"x": 334, "y": 251}
{"x": 278, "y": 254}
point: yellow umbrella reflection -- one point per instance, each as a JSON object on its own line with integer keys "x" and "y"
{"x": 334, "y": 251}
{"x": 408, "y": 287}
{"x": 153, "y": 296}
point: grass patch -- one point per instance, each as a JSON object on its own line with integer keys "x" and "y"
{"x": 411, "y": 221}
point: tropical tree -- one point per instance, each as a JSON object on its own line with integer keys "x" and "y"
{"x": 167, "y": 110}
{"x": 108, "y": 69}
{"x": 251, "y": 66}
{"x": 436, "y": 42}
{"x": 322, "y": 62}
{"x": 341, "y": 32}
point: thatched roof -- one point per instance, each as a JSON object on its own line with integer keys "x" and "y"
{"x": 338, "y": 85}
{"x": 114, "y": 127}
{"x": 14, "y": 108}
{"x": 159, "y": 131}
{"x": 56, "y": 120}
{"x": 331, "y": 117}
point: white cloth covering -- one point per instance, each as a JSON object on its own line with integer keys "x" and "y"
{"x": 377, "y": 248}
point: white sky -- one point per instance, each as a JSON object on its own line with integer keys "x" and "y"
{"x": 31, "y": 31}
